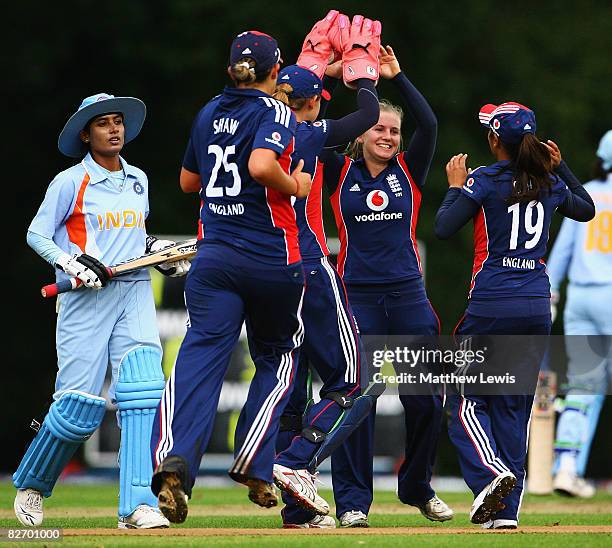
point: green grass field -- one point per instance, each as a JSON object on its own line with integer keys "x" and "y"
{"x": 217, "y": 516}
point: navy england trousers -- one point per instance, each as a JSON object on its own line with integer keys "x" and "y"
{"x": 225, "y": 288}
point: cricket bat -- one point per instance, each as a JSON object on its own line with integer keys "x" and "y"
{"x": 542, "y": 436}
{"x": 181, "y": 250}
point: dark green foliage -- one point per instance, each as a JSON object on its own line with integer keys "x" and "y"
{"x": 552, "y": 56}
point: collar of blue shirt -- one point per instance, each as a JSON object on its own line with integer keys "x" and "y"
{"x": 97, "y": 174}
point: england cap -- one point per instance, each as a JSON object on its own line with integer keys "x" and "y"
{"x": 303, "y": 81}
{"x": 509, "y": 121}
{"x": 260, "y": 47}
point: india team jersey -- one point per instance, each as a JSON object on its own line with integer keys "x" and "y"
{"x": 586, "y": 248}
{"x": 376, "y": 219}
{"x": 310, "y": 138}
{"x": 236, "y": 210}
{"x": 84, "y": 211}
{"x": 509, "y": 239}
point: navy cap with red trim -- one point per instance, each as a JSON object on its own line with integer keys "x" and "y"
{"x": 509, "y": 121}
{"x": 304, "y": 82}
{"x": 260, "y": 47}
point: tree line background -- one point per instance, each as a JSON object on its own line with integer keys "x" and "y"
{"x": 552, "y": 56}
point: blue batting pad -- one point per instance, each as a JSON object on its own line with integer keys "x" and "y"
{"x": 576, "y": 428}
{"x": 593, "y": 418}
{"x": 138, "y": 392}
{"x": 70, "y": 421}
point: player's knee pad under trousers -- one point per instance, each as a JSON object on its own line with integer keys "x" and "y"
{"x": 138, "y": 392}
{"x": 353, "y": 414}
{"x": 70, "y": 421}
{"x": 314, "y": 433}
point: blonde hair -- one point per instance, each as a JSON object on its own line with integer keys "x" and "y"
{"x": 243, "y": 71}
{"x": 282, "y": 93}
{"x": 354, "y": 149}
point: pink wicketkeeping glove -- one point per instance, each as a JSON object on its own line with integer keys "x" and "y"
{"x": 317, "y": 50}
{"x": 360, "y": 49}
{"x": 335, "y": 35}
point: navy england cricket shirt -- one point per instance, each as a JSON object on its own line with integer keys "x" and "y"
{"x": 376, "y": 219}
{"x": 509, "y": 239}
{"x": 310, "y": 138}
{"x": 236, "y": 210}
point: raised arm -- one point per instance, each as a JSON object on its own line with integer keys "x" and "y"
{"x": 454, "y": 212}
{"x": 333, "y": 162}
{"x": 352, "y": 125}
{"x": 347, "y": 128}
{"x": 330, "y": 83}
{"x": 578, "y": 205}
{"x": 420, "y": 149}
{"x": 456, "y": 209}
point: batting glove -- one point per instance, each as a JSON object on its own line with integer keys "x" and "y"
{"x": 173, "y": 269}
{"x": 360, "y": 50}
{"x": 86, "y": 268}
{"x": 317, "y": 50}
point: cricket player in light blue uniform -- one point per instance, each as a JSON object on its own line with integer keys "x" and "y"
{"x": 583, "y": 252}
{"x": 93, "y": 215}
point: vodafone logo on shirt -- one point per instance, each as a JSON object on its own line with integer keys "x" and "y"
{"x": 275, "y": 140}
{"x": 468, "y": 184}
{"x": 377, "y": 200}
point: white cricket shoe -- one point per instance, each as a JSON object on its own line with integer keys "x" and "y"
{"x": 436, "y": 509}
{"x": 571, "y": 485}
{"x": 318, "y": 522}
{"x": 29, "y": 507}
{"x": 489, "y": 500}
{"x": 354, "y": 518}
{"x": 500, "y": 524}
{"x": 144, "y": 517}
{"x": 301, "y": 485}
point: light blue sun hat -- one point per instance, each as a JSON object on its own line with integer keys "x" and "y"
{"x": 604, "y": 151}
{"x": 133, "y": 110}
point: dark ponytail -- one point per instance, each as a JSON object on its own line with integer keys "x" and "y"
{"x": 532, "y": 165}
